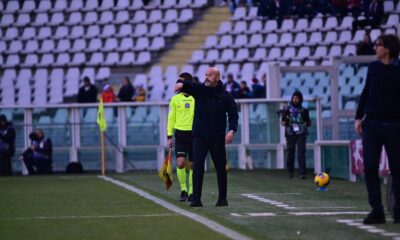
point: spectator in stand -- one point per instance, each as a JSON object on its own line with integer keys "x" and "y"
{"x": 304, "y": 8}
{"x": 126, "y": 91}
{"x": 258, "y": 89}
{"x": 108, "y": 95}
{"x": 140, "y": 95}
{"x": 244, "y": 91}
{"x": 366, "y": 47}
{"x": 322, "y": 6}
{"x": 373, "y": 16}
{"x": 232, "y": 86}
{"x": 354, "y": 6}
{"x": 339, "y": 7}
{"x": 88, "y": 92}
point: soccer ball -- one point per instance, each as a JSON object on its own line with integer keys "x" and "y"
{"x": 321, "y": 179}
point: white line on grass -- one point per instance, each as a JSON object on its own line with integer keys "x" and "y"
{"x": 368, "y": 228}
{"x": 325, "y": 213}
{"x": 264, "y": 214}
{"x": 92, "y": 217}
{"x": 207, "y": 222}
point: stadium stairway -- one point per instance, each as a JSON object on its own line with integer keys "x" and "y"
{"x": 195, "y": 38}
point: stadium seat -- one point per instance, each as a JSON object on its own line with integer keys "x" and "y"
{"x": 143, "y": 59}
{"x": 155, "y": 30}
{"x": 22, "y": 20}
{"x": 76, "y": 32}
{"x": 211, "y": 56}
{"x": 303, "y": 53}
{"x": 95, "y": 45}
{"x": 197, "y": 56}
{"x": 103, "y": 74}
{"x": 211, "y": 42}
{"x": 225, "y": 28}
{"x": 358, "y": 36}
{"x": 110, "y": 45}
{"x": 346, "y": 23}
{"x": 106, "y": 17}
{"x": 47, "y": 46}
{"x": 74, "y": 19}
{"x": 41, "y": 20}
{"x": 75, "y": 5}
{"x": 255, "y": 27}
{"x": 239, "y": 14}
{"x": 12, "y": 33}
{"x": 12, "y": 61}
{"x": 259, "y": 55}
{"x": 108, "y": 31}
{"x": 14, "y": 47}
{"x": 344, "y": 37}
{"x": 44, "y": 32}
{"x": 78, "y": 59}
{"x": 61, "y": 32}
{"x": 140, "y": 30}
{"x": 315, "y": 25}
{"x": 11, "y": 7}
{"x": 27, "y": 34}
{"x": 301, "y": 25}
{"x": 255, "y": 41}
{"x": 375, "y": 33}
{"x": 391, "y": 31}
{"x": 139, "y": 17}
{"x": 62, "y": 60}
{"x": 170, "y": 16}
{"x": 28, "y": 6}
{"x": 3, "y": 46}
{"x": 124, "y": 4}
{"x": 171, "y": 30}
{"x": 106, "y": 5}
{"x": 183, "y": 4}
{"x": 201, "y": 70}
{"x": 241, "y": 55}
{"x": 287, "y": 26}
{"x": 388, "y": 6}
{"x": 88, "y": 72}
{"x": 289, "y": 53}
{"x": 30, "y": 60}
{"x": 330, "y": 24}
{"x": 392, "y": 21}
{"x": 96, "y": 59}
{"x": 63, "y": 45}
{"x": 334, "y": 51}
{"x": 320, "y": 52}
{"x": 285, "y": 40}
{"x": 240, "y": 27}
{"x": 90, "y": 5}
{"x": 112, "y": 59}
{"x": 185, "y": 16}
{"x": 330, "y": 38}
{"x": 7, "y": 20}
{"x": 309, "y": 63}
{"x": 233, "y": 68}
{"x": 44, "y": 6}
{"x": 56, "y": 19}
{"x": 142, "y": 43}
{"x": 226, "y": 56}
{"x": 270, "y": 40}
{"x": 300, "y": 39}
{"x": 92, "y": 32}
{"x": 187, "y": 68}
{"x": 90, "y": 18}
{"x": 225, "y": 42}
{"x": 315, "y": 39}
{"x": 128, "y": 58}
{"x": 60, "y": 6}
{"x": 121, "y": 17}
{"x": 240, "y": 41}
{"x": 125, "y": 30}
{"x": 157, "y": 44}
{"x": 155, "y": 16}
{"x": 79, "y": 45}
{"x": 125, "y": 44}
{"x": 46, "y": 60}
{"x": 199, "y": 3}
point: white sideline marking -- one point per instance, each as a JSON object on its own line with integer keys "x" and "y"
{"x": 325, "y": 213}
{"x": 266, "y": 200}
{"x": 200, "y": 219}
{"x": 274, "y": 193}
{"x": 85, "y": 217}
{"x": 265, "y": 214}
{"x": 368, "y": 228}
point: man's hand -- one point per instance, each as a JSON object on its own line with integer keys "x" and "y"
{"x": 170, "y": 143}
{"x": 357, "y": 126}
{"x": 178, "y": 86}
{"x": 229, "y": 137}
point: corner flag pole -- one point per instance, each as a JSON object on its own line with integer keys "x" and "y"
{"x": 101, "y": 121}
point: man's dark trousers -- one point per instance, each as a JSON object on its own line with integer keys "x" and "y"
{"x": 376, "y": 134}
{"x": 216, "y": 146}
{"x": 300, "y": 142}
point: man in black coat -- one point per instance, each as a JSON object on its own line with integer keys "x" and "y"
{"x": 378, "y": 122}
{"x": 7, "y": 145}
{"x": 126, "y": 91}
{"x": 88, "y": 92}
{"x": 213, "y": 104}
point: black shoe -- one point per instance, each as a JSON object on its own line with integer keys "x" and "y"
{"x": 190, "y": 198}
{"x": 221, "y": 203}
{"x": 375, "y": 217}
{"x": 196, "y": 204}
{"x": 183, "y": 197}
{"x": 301, "y": 176}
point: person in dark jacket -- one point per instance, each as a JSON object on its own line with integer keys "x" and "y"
{"x": 38, "y": 156}
{"x": 378, "y": 122}
{"x": 7, "y": 145}
{"x": 366, "y": 47}
{"x": 296, "y": 120}
{"x": 231, "y": 86}
{"x": 212, "y": 104}
{"x": 126, "y": 92}
{"x": 373, "y": 16}
{"x": 88, "y": 92}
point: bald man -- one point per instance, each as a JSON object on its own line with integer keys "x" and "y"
{"x": 212, "y": 106}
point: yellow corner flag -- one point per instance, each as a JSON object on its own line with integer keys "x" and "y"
{"x": 101, "y": 121}
{"x": 166, "y": 170}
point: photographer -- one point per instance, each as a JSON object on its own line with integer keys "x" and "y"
{"x": 38, "y": 157}
{"x": 7, "y": 145}
{"x": 296, "y": 120}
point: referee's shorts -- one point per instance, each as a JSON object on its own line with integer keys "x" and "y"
{"x": 184, "y": 144}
